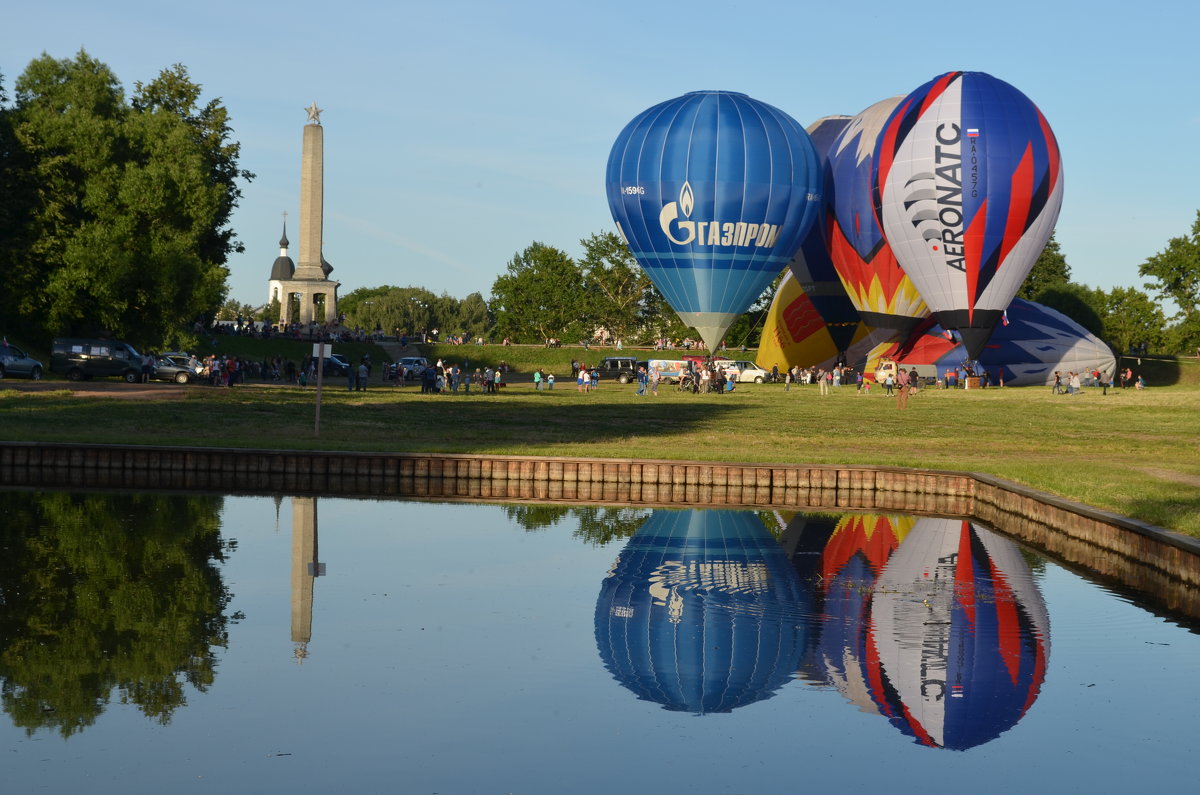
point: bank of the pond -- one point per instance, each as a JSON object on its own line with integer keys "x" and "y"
{"x": 1042, "y": 519}
{"x": 1135, "y": 453}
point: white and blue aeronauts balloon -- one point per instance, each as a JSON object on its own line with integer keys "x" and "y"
{"x": 959, "y": 636}
{"x": 968, "y": 183}
{"x": 713, "y": 192}
{"x": 702, "y": 612}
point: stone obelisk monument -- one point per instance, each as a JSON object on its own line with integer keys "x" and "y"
{"x": 311, "y": 279}
{"x": 305, "y": 569}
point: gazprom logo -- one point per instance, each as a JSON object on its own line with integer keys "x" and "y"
{"x": 684, "y": 232}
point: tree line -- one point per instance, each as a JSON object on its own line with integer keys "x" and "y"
{"x": 545, "y": 294}
{"x": 115, "y": 218}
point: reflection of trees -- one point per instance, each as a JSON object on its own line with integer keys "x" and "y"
{"x": 101, "y": 592}
{"x": 596, "y": 526}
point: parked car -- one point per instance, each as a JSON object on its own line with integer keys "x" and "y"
{"x": 336, "y": 365}
{"x": 622, "y": 369}
{"x": 86, "y": 358}
{"x": 15, "y": 363}
{"x": 413, "y": 366}
{"x": 168, "y": 369}
{"x": 184, "y": 360}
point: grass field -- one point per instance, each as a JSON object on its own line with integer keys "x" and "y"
{"x": 1135, "y": 453}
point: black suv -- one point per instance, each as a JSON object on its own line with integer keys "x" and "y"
{"x": 622, "y": 369}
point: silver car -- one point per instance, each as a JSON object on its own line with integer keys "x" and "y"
{"x": 15, "y": 363}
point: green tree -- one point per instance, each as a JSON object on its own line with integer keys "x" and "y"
{"x": 130, "y": 218}
{"x": 616, "y": 286}
{"x": 17, "y": 197}
{"x": 107, "y": 594}
{"x": 1049, "y": 269}
{"x": 396, "y": 310}
{"x": 474, "y": 316}
{"x": 540, "y": 296}
{"x": 273, "y": 311}
{"x": 1132, "y": 318}
{"x": 1175, "y": 275}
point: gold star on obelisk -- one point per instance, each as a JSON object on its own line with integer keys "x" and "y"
{"x": 314, "y": 113}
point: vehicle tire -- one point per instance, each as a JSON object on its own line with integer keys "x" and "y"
{"x": 131, "y": 376}
{"x": 758, "y": 379}
{"x": 623, "y": 379}
{"x": 182, "y": 378}
{"x": 35, "y": 374}
{"x": 74, "y": 374}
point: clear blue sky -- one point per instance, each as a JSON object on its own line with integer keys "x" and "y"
{"x": 458, "y": 132}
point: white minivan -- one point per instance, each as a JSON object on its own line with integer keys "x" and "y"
{"x": 743, "y": 372}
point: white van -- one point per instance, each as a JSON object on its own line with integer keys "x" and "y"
{"x": 743, "y": 372}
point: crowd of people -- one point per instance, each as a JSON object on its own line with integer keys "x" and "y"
{"x": 1074, "y": 382}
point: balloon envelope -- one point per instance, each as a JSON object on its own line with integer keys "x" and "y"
{"x": 968, "y": 184}
{"x": 796, "y": 335}
{"x": 812, "y": 265}
{"x": 882, "y": 292}
{"x": 713, "y": 191}
{"x": 702, "y": 612}
{"x": 1026, "y": 348}
{"x": 959, "y": 635}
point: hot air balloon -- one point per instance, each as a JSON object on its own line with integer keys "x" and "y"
{"x": 1026, "y": 349}
{"x": 968, "y": 184}
{"x": 935, "y": 624}
{"x": 702, "y": 612}
{"x": 959, "y": 636}
{"x": 882, "y": 292}
{"x": 795, "y": 333}
{"x": 812, "y": 266}
{"x": 713, "y": 191}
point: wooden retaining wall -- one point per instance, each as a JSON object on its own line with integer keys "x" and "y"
{"x": 1135, "y": 553}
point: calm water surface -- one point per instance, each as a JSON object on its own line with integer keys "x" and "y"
{"x": 154, "y": 643}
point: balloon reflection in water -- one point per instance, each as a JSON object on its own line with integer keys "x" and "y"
{"x": 934, "y": 623}
{"x": 702, "y": 612}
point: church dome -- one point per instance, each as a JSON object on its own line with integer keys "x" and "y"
{"x": 283, "y": 269}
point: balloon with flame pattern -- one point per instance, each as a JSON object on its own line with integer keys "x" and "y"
{"x": 968, "y": 183}
{"x": 812, "y": 266}
{"x": 881, "y": 291}
{"x": 713, "y": 192}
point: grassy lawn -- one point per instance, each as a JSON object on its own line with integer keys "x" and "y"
{"x": 1135, "y": 453}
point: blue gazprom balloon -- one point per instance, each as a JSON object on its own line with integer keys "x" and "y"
{"x": 702, "y": 612}
{"x": 714, "y": 192}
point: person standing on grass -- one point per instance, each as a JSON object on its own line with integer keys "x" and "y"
{"x": 902, "y": 380}
{"x": 537, "y": 380}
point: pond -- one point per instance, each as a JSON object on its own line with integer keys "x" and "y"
{"x": 168, "y": 643}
